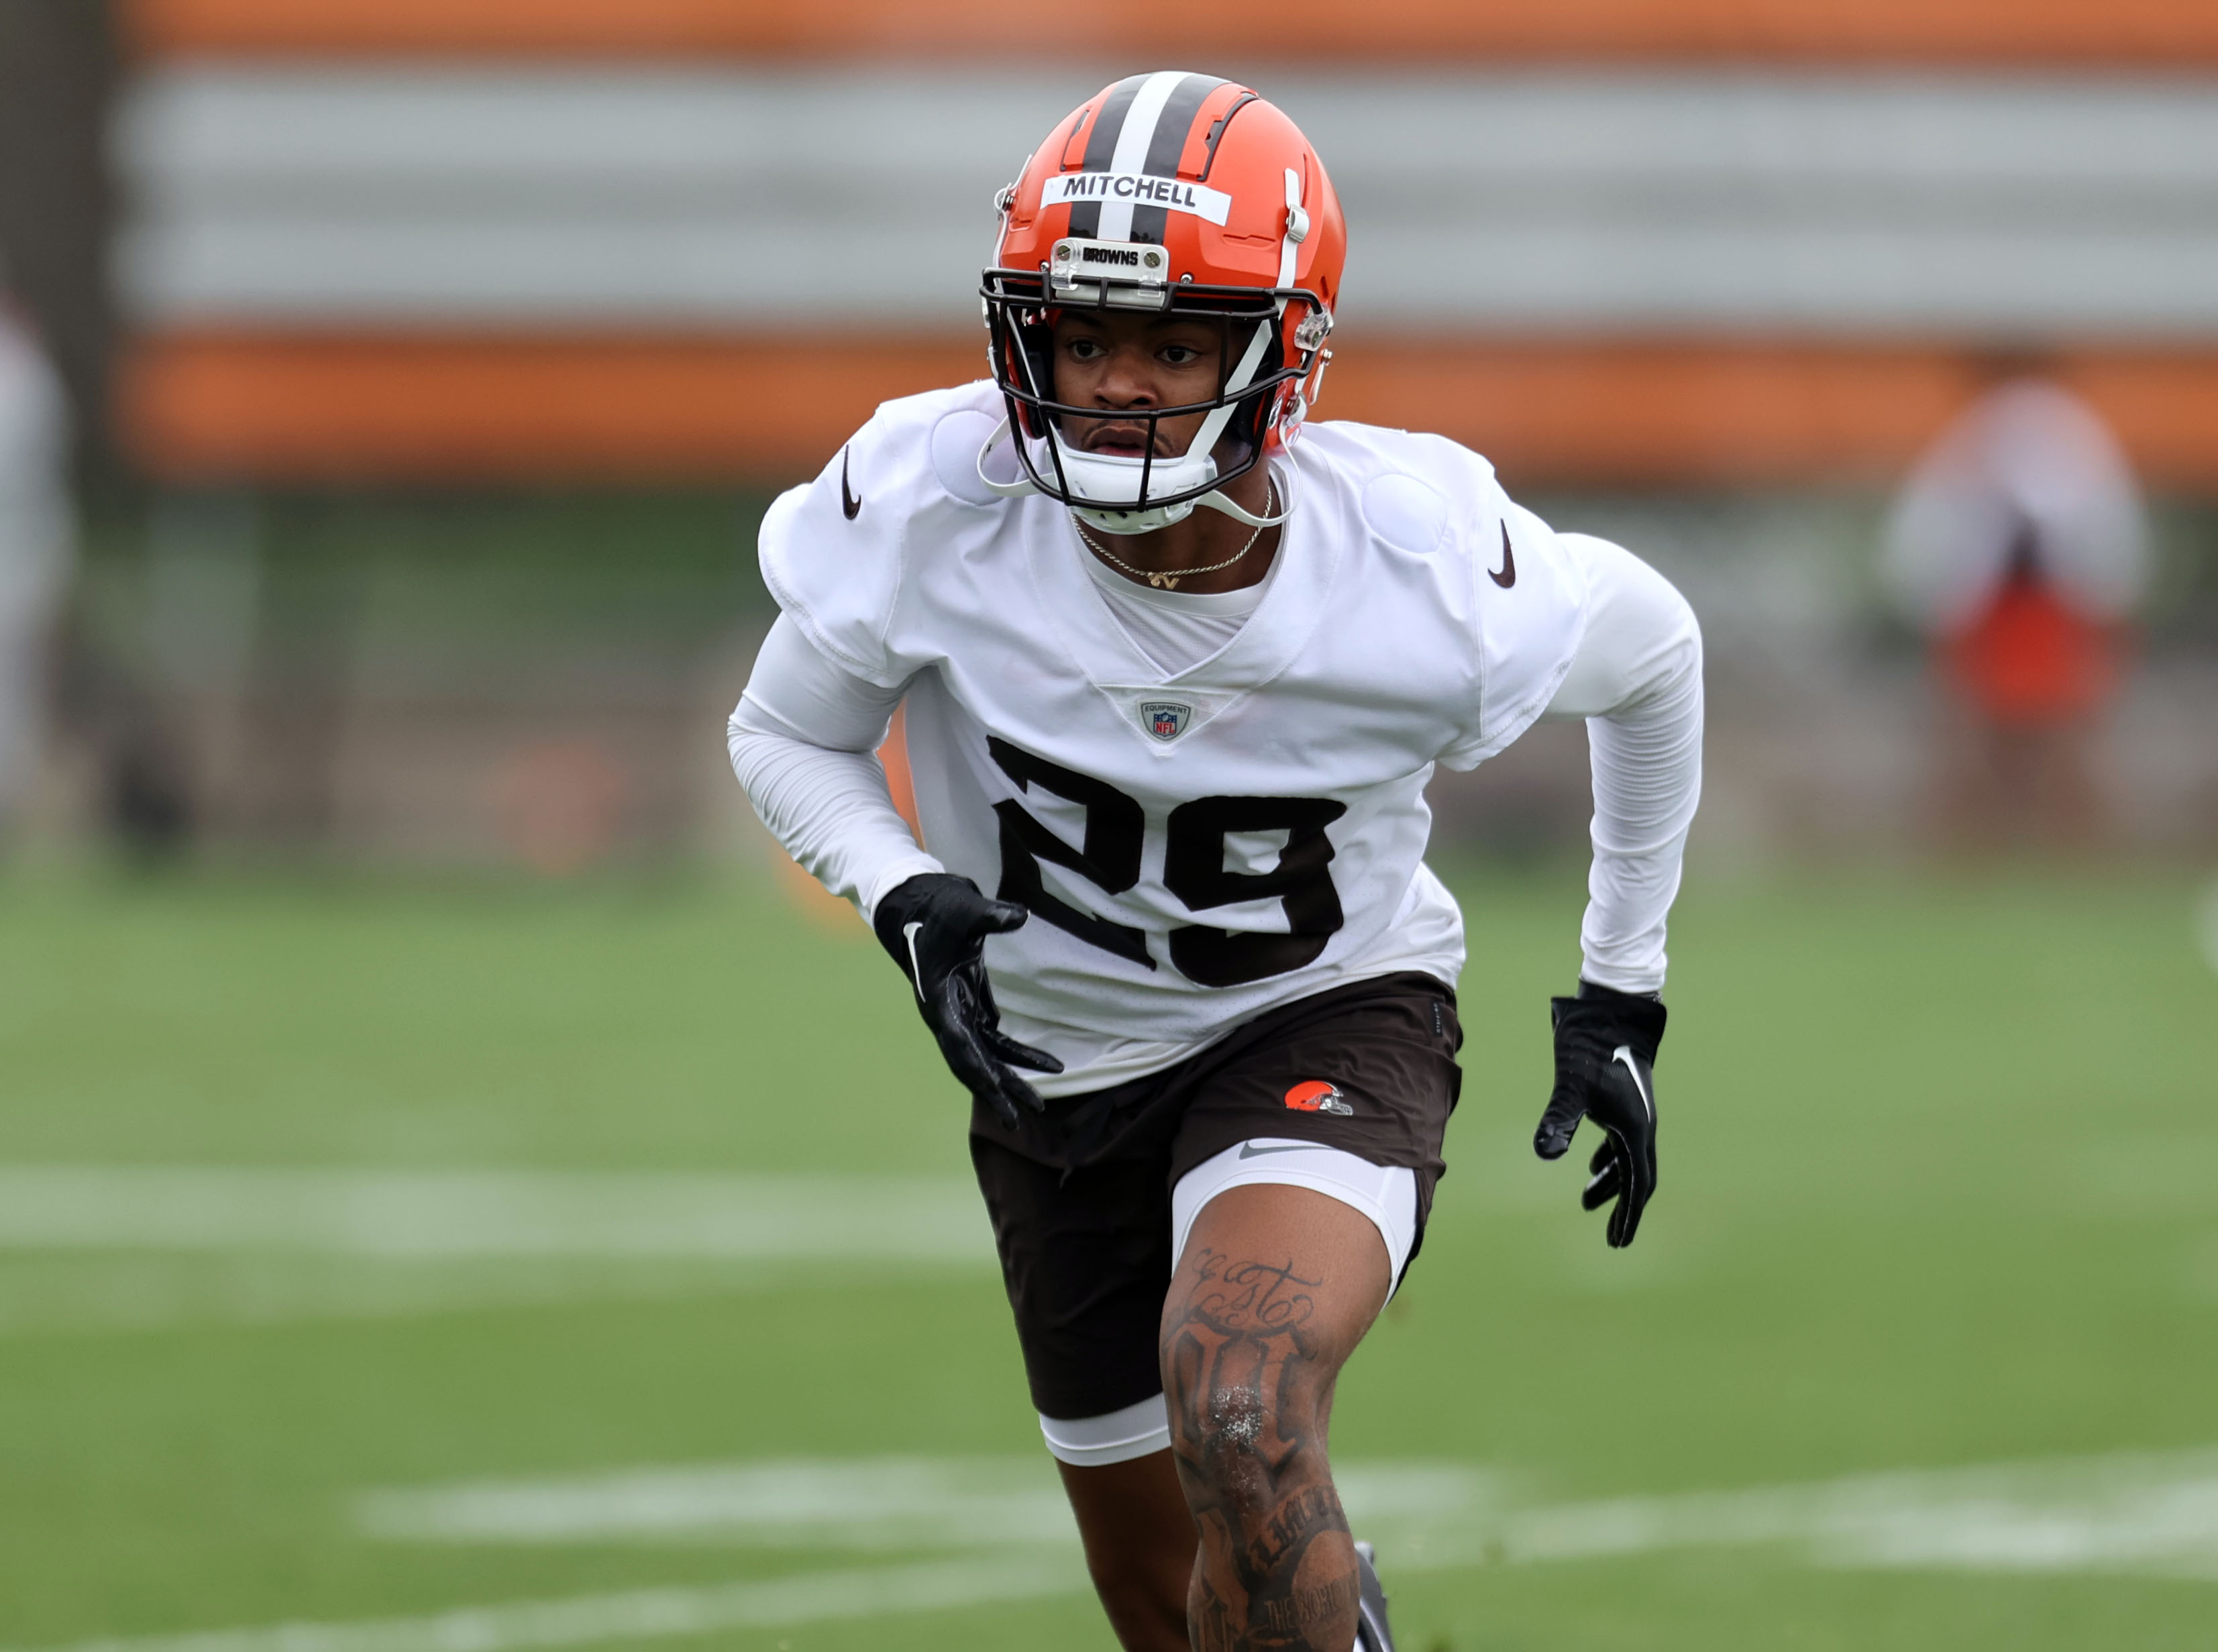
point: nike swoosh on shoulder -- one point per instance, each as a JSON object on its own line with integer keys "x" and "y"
{"x": 1505, "y": 576}
{"x": 1249, "y": 1150}
{"x": 1624, "y": 1053}
{"x": 849, "y": 504}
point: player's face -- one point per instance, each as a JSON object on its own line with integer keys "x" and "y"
{"x": 1125, "y": 364}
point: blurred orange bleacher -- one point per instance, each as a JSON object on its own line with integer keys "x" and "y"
{"x": 300, "y": 394}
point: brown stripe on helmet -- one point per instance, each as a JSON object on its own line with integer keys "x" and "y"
{"x": 1102, "y": 148}
{"x": 1217, "y": 131}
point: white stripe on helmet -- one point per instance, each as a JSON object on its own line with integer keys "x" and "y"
{"x": 1133, "y": 141}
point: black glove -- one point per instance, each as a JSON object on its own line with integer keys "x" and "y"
{"x": 1605, "y": 1045}
{"x": 935, "y": 925}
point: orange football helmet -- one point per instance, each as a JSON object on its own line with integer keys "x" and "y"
{"x": 1167, "y": 192}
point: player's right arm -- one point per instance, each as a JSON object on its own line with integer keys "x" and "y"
{"x": 839, "y": 554}
{"x": 803, "y": 741}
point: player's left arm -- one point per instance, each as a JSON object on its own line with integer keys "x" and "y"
{"x": 1636, "y": 682}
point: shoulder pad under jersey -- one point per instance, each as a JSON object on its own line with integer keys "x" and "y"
{"x": 838, "y": 553}
{"x": 1528, "y": 599}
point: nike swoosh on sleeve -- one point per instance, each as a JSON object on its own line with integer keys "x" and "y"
{"x": 1249, "y": 1150}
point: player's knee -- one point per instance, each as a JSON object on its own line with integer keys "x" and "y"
{"x": 1239, "y": 1438}
{"x": 1243, "y": 1421}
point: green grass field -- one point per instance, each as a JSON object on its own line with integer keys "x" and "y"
{"x": 324, "y": 1203}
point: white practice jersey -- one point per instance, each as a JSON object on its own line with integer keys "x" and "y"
{"x": 1195, "y": 848}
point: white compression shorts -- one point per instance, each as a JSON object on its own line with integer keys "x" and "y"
{"x": 1385, "y": 1193}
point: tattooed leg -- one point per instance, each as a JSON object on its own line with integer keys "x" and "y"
{"x": 1276, "y": 1286}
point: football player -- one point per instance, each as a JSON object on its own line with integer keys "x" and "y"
{"x": 1175, "y": 682}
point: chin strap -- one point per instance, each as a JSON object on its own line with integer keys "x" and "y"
{"x": 1217, "y": 501}
{"x": 1212, "y": 427}
{"x": 1015, "y": 490}
{"x": 1297, "y": 231}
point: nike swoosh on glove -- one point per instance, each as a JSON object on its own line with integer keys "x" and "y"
{"x": 935, "y": 925}
{"x": 1605, "y": 1044}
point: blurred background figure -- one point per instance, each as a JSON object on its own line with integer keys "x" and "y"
{"x": 2019, "y": 549}
{"x": 37, "y": 547}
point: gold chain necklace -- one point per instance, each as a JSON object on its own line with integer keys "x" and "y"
{"x": 1169, "y": 581}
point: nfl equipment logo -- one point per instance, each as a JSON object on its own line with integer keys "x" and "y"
{"x": 1165, "y": 719}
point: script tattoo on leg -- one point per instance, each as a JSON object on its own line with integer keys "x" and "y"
{"x": 1250, "y": 1389}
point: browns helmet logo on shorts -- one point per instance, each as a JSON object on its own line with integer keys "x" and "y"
{"x": 1315, "y": 1096}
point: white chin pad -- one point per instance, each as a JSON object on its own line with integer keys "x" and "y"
{"x": 1105, "y": 487}
{"x": 1129, "y": 523}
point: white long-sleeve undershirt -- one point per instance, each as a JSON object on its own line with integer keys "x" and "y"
{"x": 804, "y": 737}
{"x": 1636, "y": 682}
{"x": 804, "y": 741}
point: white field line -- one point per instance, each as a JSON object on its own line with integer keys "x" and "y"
{"x": 82, "y": 1293}
{"x": 2148, "y": 1514}
{"x": 2206, "y": 924}
{"x": 873, "y": 1503}
{"x": 2152, "y": 1514}
{"x": 648, "y": 1614}
{"x": 437, "y": 1216}
{"x": 867, "y": 1503}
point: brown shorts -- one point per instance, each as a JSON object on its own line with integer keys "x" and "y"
{"x": 1080, "y": 1196}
